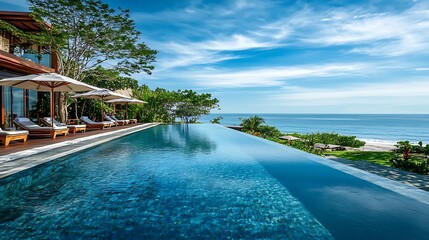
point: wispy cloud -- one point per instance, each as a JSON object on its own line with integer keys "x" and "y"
{"x": 340, "y": 95}
{"x": 205, "y": 52}
{"x": 379, "y": 33}
{"x": 295, "y": 54}
{"x": 267, "y": 77}
{"x": 182, "y": 55}
{"x": 213, "y": 33}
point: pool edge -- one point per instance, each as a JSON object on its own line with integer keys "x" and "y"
{"x": 392, "y": 185}
{"x": 30, "y": 158}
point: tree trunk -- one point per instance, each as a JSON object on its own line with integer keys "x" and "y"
{"x": 56, "y": 104}
{"x": 62, "y": 107}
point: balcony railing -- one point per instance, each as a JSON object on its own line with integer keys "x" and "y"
{"x": 43, "y": 59}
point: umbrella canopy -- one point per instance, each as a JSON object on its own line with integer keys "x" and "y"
{"x": 47, "y": 82}
{"x": 103, "y": 94}
{"x": 126, "y": 101}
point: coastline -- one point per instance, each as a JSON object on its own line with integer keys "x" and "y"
{"x": 377, "y": 146}
{"x": 367, "y": 127}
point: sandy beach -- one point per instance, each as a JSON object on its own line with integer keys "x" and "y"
{"x": 377, "y": 146}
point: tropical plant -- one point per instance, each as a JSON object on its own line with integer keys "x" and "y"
{"x": 305, "y": 146}
{"x": 159, "y": 107}
{"x": 190, "y": 105}
{"x": 404, "y": 160}
{"x": 331, "y": 138}
{"x": 109, "y": 79}
{"x": 268, "y": 132}
{"x": 252, "y": 124}
{"x": 216, "y": 120}
{"x": 165, "y": 106}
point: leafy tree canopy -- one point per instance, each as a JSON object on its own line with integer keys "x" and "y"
{"x": 252, "y": 124}
{"x": 88, "y": 33}
{"x": 109, "y": 79}
{"x": 190, "y": 105}
{"x": 216, "y": 120}
{"x": 165, "y": 106}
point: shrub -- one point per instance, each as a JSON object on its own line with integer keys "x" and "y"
{"x": 266, "y": 131}
{"x": 331, "y": 138}
{"x": 216, "y": 120}
{"x": 306, "y": 147}
{"x": 251, "y": 124}
{"x": 420, "y": 166}
{"x": 403, "y": 160}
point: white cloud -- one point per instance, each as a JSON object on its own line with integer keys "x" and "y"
{"x": 212, "y": 33}
{"x": 181, "y": 55}
{"x": 266, "y": 77}
{"x": 389, "y": 34}
{"x": 184, "y": 54}
{"x": 235, "y": 42}
{"x": 342, "y": 95}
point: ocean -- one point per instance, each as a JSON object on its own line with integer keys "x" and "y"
{"x": 388, "y": 128}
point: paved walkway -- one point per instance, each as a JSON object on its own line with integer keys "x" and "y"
{"x": 35, "y": 154}
{"x": 408, "y": 178}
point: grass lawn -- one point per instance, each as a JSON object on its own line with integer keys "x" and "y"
{"x": 381, "y": 158}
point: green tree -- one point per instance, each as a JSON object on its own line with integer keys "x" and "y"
{"x": 165, "y": 106}
{"x": 190, "y": 105}
{"x": 109, "y": 79}
{"x": 269, "y": 132}
{"x": 159, "y": 107}
{"x": 88, "y": 33}
{"x": 216, "y": 120}
{"x": 252, "y": 124}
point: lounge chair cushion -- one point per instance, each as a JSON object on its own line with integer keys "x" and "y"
{"x": 90, "y": 122}
{"x": 26, "y": 123}
{"x": 12, "y": 132}
{"x": 56, "y": 123}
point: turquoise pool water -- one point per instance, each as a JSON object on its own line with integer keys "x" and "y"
{"x": 201, "y": 181}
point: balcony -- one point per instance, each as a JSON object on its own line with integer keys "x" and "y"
{"x": 42, "y": 59}
{"x": 15, "y": 63}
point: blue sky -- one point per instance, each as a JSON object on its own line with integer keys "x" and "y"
{"x": 262, "y": 56}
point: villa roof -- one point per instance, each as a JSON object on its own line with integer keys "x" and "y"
{"x": 22, "y": 20}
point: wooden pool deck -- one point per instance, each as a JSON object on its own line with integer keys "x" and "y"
{"x": 44, "y": 140}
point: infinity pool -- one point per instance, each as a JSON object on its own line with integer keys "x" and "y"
{"x": 201, "y": 181}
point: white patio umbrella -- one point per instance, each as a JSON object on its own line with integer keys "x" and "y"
{"x": 126, "y": 101}
{"x": 47, "y": 82}
{"x": 103, "y": 94}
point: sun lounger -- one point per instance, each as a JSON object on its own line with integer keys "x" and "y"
{"x": 72, "y": 128}
{"x": 98, "y": 125}
{"x": 33, "y": 129}
{"x": 7, "y": 136}
{"x": 128, "y": 121}
{"x": 118, "y": 122}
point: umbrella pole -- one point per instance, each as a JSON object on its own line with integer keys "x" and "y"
{"x": 102, "y": 109}
{"x": 126, "y": 111}
{"x": 52, "y": 106}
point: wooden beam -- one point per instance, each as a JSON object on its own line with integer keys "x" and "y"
{"x": 15, "y": 63}
{"x": 14, "y": 17}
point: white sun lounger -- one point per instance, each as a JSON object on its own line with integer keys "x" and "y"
{"x": 33, "y": 129}
{"x": 7, "y": 136}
